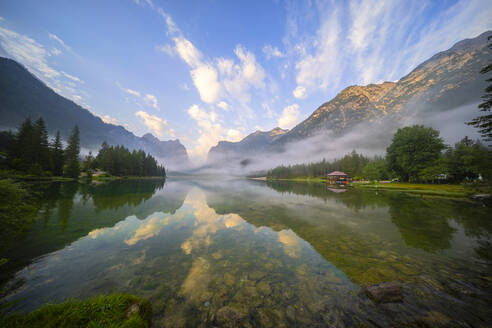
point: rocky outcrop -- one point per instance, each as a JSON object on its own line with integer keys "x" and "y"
{"x": 386, "y": 292}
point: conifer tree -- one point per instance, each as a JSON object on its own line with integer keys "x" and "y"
{"x": 57, "y": 155}
{"x": 72, "y": 155}
{"x": 41, "y": 154}
{"x": 21, "y": 152}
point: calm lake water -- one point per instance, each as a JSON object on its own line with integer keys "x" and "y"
{"x": 252, "y": 253}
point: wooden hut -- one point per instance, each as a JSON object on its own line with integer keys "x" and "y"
{"x": 337, "y": 177}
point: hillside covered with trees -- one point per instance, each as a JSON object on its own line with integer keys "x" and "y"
{"x": 416, "y": 154}
{"x": 30, "y": 152}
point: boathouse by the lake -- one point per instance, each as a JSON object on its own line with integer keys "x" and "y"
{"x": 337, "y": 177}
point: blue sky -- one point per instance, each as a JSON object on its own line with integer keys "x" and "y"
{"x": 204, "y": 71}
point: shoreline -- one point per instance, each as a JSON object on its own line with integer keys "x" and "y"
{"x": 446, "y": 190}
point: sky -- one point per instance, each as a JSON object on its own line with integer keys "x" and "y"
{"x": 210, "y": 70}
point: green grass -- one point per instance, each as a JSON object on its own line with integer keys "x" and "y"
{"x": 107, "y": 177}
{"x": 100, "y": 311}
{"x": 453, "y": 190}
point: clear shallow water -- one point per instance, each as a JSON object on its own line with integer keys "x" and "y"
{"x": 249, "y": 253}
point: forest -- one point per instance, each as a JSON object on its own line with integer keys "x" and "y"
{"x": 416, "y": 154}
{"x": 29, "y": 151}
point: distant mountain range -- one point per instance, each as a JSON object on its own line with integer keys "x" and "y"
{"x": 23, "y": 95}
{"x": 252, "y": 144}
{"x": 446, "y": 81}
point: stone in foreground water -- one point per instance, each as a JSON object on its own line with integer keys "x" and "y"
{"x": 387, "y": 292}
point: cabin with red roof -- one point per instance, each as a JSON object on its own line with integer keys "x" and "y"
{"x": 337, "y": 177}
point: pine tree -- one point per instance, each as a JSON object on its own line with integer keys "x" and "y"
{"x": 41, "y": 154}
{"x": 21, "y": 152}
{"x": 72, "y": 155}
{"x": 57, "y": 155}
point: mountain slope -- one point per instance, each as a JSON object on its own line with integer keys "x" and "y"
{"x": 23, "y": 95}
{"x": 447, "y": 80}
{"x": 251, "y": 144}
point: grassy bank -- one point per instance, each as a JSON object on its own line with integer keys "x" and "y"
{"x": 450, "y": 190}
{"x": 107, "y": 177}
{"x": 115, "y": 310}
{"x": 14, "y": 175}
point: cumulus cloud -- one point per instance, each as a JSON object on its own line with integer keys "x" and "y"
{"x": 210, "y": 131}
{"x": 205, "y": 79}
{"x": 299, "y": 92}
{"x": 156, "y": 124}
{"x": 289, "y": 117}
{"x": 223, "y": 105}
{"x": 188, "y": 52}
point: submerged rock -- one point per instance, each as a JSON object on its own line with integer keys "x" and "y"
{"x": 386, "y": 292}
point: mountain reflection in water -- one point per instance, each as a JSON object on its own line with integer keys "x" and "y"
{"x": 238, "y": 252}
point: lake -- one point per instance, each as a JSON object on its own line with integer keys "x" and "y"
{"x": 238, "y": 252}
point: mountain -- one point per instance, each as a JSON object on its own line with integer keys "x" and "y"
{"x": 252, "y": 144}
{"x": 446, "y": 81}
{"x": 23, "y": 95}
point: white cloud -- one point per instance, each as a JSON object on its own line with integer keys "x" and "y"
{"x": 238, "y": 79}
{"x": 299, "y": 92}
{"x": 60, "y": 41}
{"x": 71, "y": 77}
{"x": 364, "y": 15}
{"x": 223, "y": 105}
{"x": 110, "y": 120}
{"x": 27, "y": 51}
{"x": 321, "y": 68}
{"x": 132, "y": 92}
{"x": 210, "y": 132}
{"x": 270, "y": 52}
{"x": 205, "y": 79}
{"x": 151, "y": 100}
{"x": 289, "y": 117}
{"x": 187, "y": 51}
{"x": 172, "y": 28}
{"x": 155, "y": 124}
{"x": 234, "y": 135}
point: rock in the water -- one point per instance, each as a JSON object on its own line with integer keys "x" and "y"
{"x": 133, "y": 309}
{"x": 386, "y": 292}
